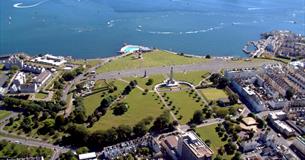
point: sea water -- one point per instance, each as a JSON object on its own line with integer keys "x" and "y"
{"x": 98, "y": 28}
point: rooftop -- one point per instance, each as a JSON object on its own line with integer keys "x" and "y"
{"x": 90, "y": 155}
{"x": 196, "y": 145}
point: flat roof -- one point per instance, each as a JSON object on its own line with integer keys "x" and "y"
{"x": 283, "y": 126}
{"x": 87, "y": 155}
{"x": 249, "y": 121}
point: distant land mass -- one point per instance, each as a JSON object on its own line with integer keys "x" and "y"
{"x": 94, "y": 28}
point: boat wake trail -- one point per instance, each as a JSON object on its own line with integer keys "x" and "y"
{"x": 22, "y": 6}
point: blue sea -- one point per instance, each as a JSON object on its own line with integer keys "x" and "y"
{"x": 99, "y": 28}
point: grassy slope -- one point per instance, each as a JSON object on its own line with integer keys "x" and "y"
{"x": 186, "y": 103}
{"x": 151, "y": 59}
{"x": 193, "y": 77}
{"x": 140, "y": 106}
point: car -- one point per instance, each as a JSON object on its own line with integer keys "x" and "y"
{"x": 17, "y": 142}
{"x": 279, "y": 135}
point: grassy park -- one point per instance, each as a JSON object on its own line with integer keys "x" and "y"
{"x": 193, "y": 77}
{"x": 13, "y": 150}
{"x": 209, "y": 132}
{"x": 93, "y": 101}
{"x": 213, "y": 94}
{"x": 41, "y": 95}
{"x": 142, "y": 81}
{"x": 4, "y": 114}
{"x": 185, "y": 103}
{"x": 151, "y": 59}
{"x": 140, "y": 107}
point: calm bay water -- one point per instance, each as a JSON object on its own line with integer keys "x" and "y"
{"x": 98, "y": 28}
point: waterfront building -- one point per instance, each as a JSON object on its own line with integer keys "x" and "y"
{"x": 50, "y": 60}
{"x": 42, "y": 78}
{"x": 12, "y": 61}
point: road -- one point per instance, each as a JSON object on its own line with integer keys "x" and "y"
{"x": 213, "y": 65}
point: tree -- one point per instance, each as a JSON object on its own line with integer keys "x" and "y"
{"x": 215, "y": 78}
{"x": 230, "y": 148}
{"x": 208, "y": 56}
{"x": 140, "y": 129}
{"x": 218, "y": 157}
{"x": 82, "y": 150}
{"x": 78, "y": 135}
{"x": 120, "y": 109}
{"x": 207, "y": 142}
{"x": 149, "y": 82}
{"x": 223, "y": 82}
{"x": 198, "y": 117}
{"x": 233, "y": 98}
{"x": 105, "y": 103}
{"x": 289, "y": 94}
{"x": 124, "y": 132}
{"x": 237, "y": 156}
{"x": 59, "y": 120}
{"x": 162, "y": 122}
{"x": 14, "y": 69}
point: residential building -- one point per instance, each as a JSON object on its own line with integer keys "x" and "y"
{"x": 247, "y": 146}
{"x": 42, "y": 78}
{"x": 191, "y": 147}
{"x": 170, "y": 144}
{"x": 12, "y": 61}
{"x": 276, "y": 118}
{"x": 29, "y": 88}
{"x": 299, "y": 143}
{"x": 33, "y": 69}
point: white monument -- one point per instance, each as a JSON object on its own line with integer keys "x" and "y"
{"x": 171, "y": 82}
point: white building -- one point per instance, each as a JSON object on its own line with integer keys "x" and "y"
{"x": 13, "y": 61}
{"x": 276, "y": 120}
{"x": 19, "y": 79}
{"x": 33, "y": 69}
{"x": 191, "y": 147}
{"x": 87, "y": 156}
{"x": 50, "y": 60}
{"x": 42, "y": 78}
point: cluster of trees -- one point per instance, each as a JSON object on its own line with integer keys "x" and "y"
{"x": 219, "y": 81}
{"x": 70, "y": 75}
{"x": 33, "y": 106}
{"x": 79, "y": 135}
{"x": 78, "y": 115}
{"x": 130, "y": 87}
{"x": 16, "y": 150}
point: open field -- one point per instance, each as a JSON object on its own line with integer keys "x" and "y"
{"x": 4, "y": 114}
{"x": 142, "y": 81}
{"x": 193, "y": 77}
{"x": 150, "y": 59}
{"x": 186, "y": 103}
{"x": 93, "y": 101}
{"x": 140, "y": 107}
{"x": 13, "y": 150}
{"x": 213, "y": 94}
{"x": 41, "y": 95}
{"x": 209, "y": 132}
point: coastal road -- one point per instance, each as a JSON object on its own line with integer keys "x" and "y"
{"x": 213, "y": 65}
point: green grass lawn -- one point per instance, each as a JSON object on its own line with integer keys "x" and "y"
{"x": 41, "y": 95}
{"x": 140, "y": 107}
{"x": 142, "y": 81}
{"x": 4, "y": 114}
{"x": 150, "y": 59}
{"x": 186, "y": 103}
{"x": 213, "y": 94}
{"x": 193, "y": 77}
{"x": 100, "y": 84}
{"x": 13, "y": 150}
{"x": 209, "y": 132}
{"x": 93, "y": 101}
